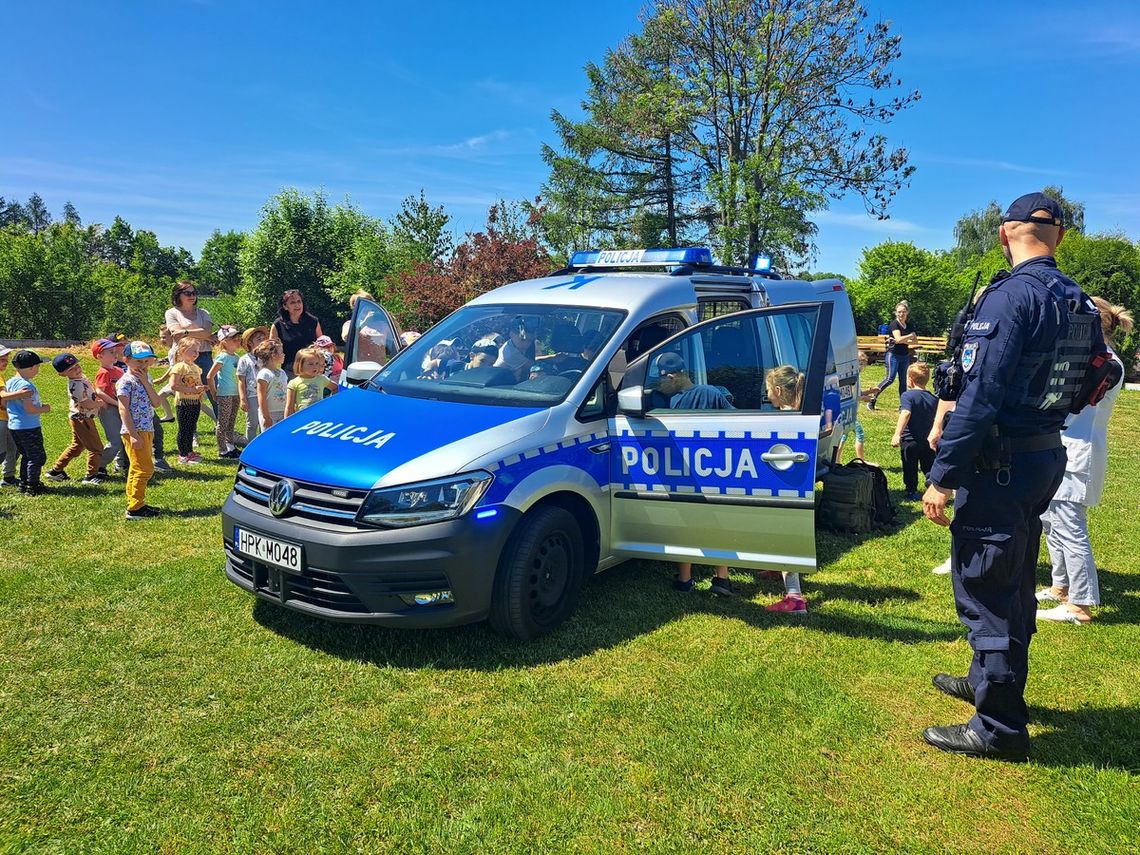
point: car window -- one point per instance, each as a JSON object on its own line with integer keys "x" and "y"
{"x": 754, "y": 364}
{"x": 503, "y": 355}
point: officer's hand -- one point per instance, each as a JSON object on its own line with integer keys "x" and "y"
{"x": 934, "y": 504}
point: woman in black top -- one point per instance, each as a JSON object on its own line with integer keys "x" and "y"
{"x": 901, "y": 339}
{"x": 294, "y": 328}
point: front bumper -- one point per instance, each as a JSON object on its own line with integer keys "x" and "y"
{"x": 366, "y": 575}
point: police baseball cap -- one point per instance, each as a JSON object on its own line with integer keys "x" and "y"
{"x": 670, "y": 363}
{"x": 1023, "y": 209}
{"x": 26, "y": 359}
{"x": 138, "y": 350}
{"x": 64, "y": 362}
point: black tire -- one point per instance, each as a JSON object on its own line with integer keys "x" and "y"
{"x": 539, "y": 576}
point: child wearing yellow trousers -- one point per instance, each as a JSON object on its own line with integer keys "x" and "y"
{"x": 137, "y": 400}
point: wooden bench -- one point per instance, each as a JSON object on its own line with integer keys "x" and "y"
{"x": 928, "y": 345}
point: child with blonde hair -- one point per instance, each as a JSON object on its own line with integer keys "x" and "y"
{"x": 785, "y": 386}
{"x": 309, "y": 384}
{"x": 186, "y": 380}
{"x": 223, "y": 384}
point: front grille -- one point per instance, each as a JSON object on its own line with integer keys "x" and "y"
{"x": 311, "y": 501}
{"x": 313, "y": 586}
{"x": 384, "y": 590}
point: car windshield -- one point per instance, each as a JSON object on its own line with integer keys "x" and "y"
{"x": 502, "y": 355}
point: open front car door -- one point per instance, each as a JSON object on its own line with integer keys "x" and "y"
{"x": 714, "y": 447}
{"x": 373, "y": 335}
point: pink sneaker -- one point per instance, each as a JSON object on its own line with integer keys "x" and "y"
{"x": 791, "y": 604}
{"x": 194, "y": 457}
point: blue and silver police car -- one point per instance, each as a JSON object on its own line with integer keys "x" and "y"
{"x": 549, "y": 429}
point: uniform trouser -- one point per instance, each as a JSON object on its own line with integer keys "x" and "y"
{"x": 226, "y": 408}
{"x": 84, "y": 437}
{"x": 142, "y": 467}
{"x": 30, "y": 445}
{"x": 896, "y": 367}
{"x": 1067, "y": 539}
{"x": 915, "y": 455}
{"x": 8, "y": 446}
{"x": 996, "y": 537}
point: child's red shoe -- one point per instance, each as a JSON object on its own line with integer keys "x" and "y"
{"x": 791, "y": 604}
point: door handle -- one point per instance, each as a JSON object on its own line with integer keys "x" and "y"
{"x": 784, "y": 457}
{"x": 600, "y": 448}
{"x": 781, "y": 457}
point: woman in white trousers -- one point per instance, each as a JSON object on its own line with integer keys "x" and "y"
{"x": 1076, "y": 588}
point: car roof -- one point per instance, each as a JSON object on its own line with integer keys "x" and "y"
{"x": 640, "y": 294}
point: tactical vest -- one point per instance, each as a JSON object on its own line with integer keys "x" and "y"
{"x": 1053, "y": 379}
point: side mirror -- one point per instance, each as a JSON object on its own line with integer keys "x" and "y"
{"x": 359, "y": 373}
{"x": 631, "y": 401}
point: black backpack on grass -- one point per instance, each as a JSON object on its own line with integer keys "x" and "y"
{"x": 855, "y": 498}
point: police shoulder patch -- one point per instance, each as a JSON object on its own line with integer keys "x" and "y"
{"x": 969, "y": 355}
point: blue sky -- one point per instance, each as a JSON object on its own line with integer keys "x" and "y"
{"x": 187, "y": 116}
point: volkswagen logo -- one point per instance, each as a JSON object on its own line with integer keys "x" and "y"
{"x": 281, "y": 497}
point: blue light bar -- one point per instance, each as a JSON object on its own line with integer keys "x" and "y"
{"x": 641, "y": 257}
{"x": 761, "y": 263}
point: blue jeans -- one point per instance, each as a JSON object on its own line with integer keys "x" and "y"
{"x": 896, "y": 367}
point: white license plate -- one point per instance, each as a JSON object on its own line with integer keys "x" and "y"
{"x": 268, "y": 549}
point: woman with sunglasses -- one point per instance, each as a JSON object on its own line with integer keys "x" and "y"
{"x": 294, "y": 328}
{"x": 185, "y": 320}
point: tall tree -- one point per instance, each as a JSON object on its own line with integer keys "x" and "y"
{"x": 419, "y": 232}
{"x": 39, "y": 217}
{"x": 976, "y": 233}
{"x": 771, "y": 103}
{"x": 70, "y": 215}
{"x": 12, "y": 214}
{"x": 219, "y": 271}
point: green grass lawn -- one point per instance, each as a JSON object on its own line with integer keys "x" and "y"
{"x": 148, "y": 704}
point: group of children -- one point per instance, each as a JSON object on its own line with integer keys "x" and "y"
{"x": 124, "y": 401}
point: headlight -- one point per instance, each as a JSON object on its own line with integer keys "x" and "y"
{"x": 431, "y": 501}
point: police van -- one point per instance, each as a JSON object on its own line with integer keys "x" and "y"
{"x": 547, "y": 430}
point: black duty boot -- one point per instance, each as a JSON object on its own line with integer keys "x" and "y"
{"x": 955, "y": 687}
{"x": 960, "y": 739}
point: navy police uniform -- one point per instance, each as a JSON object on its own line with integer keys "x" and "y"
{"x": 1002, "y": 453}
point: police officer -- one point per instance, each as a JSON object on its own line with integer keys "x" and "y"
{"x": 1022, "y": 360}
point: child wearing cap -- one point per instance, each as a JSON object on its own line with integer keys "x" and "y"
{"x": 247, "y": 380}
{"x": 108, "y": 352}
{"x": 334, "y": 365}
{"x": 186, "y": 379}
{"x": 84, "y": 403}
{"x": 24, "y": 410}
{"x": 137, "y": 400}
{"x": 223, "y": 384}
{"x": 7, "y": 444}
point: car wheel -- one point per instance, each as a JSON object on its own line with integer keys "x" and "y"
{"x": 539, "y": 576}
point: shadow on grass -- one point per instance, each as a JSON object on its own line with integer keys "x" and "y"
{"x": 1105, "y": 737}
{"x": 196, "y": 475}
{"x": 615, "y": 607}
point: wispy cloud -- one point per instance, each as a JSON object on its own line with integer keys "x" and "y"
{"x": 866, "y": 222}
{"x": 1113, "y": 41}
{"x": 987, "y": 163}
{"x": 477, "y": 143}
